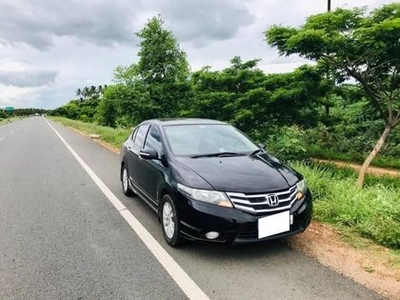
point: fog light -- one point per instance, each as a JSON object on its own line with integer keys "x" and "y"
{"x": 212, "y": 235}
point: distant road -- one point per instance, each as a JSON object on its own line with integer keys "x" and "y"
{"x": 62, "y": 238}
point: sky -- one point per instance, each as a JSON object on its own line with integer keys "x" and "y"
{"x": 49, "y": 49}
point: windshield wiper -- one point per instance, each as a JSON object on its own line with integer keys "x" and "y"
{"x": 219, "y": 154}
{"x": 255, "y": 152}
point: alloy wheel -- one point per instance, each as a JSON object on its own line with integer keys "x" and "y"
{"x": 168, "y": 220}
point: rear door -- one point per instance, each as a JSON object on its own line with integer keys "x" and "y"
{"x": 135, "y": 162}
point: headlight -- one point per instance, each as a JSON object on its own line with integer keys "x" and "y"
{"x": 301, "y": 188}
{"x": 214, "y": 197}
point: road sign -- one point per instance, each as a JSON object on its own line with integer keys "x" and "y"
{"x": 9, "y": 108}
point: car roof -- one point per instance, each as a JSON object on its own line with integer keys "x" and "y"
{"x": 184, "y": 121}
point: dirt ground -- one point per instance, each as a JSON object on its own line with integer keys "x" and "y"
{"x": 371, "y": 170}
{"x": 370, "y": 266}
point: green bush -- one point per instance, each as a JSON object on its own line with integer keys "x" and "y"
{"x": 286, "y": 142}
{"x": 3, "y": 115}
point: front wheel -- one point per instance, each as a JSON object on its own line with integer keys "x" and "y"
{"x": 125, "y": 182}
{"x": 170, "y": 222}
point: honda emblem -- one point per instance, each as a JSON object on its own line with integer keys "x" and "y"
{"x": 272, "y": 200}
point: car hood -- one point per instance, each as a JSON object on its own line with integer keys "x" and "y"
{"x": 244, "y": 174}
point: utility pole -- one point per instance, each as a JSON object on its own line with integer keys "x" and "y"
{"x": 329, "y": 5}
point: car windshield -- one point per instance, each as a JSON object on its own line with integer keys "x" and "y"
{"x": 210, "y": 139}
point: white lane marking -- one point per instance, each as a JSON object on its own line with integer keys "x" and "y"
{"x": 12, "y": 132}
{"x": 188, "y": 286}
{"x": 1, "y": 139}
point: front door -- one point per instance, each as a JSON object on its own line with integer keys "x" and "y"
{"x": 153, "y": 171}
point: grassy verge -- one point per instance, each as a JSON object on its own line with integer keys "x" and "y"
{"x": 9, "y": 120}
{"x": 4, "y": 121}
{"x": 113, "y": 136}
{"x": 372, "y": 212}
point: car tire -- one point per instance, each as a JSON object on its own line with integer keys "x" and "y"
{"x": 170, "y": 222}
{"x": 125, "y": 181}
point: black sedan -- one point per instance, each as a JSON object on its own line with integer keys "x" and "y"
{"x": 208, "y": 181}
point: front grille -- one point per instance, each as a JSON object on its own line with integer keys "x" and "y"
{"x": 259, "y": 203}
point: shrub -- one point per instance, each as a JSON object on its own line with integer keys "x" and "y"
{"x": 287, "y": 142}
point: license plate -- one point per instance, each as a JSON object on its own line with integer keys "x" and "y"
{"x": 273, "y": 224}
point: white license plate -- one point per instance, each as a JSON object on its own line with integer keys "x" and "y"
{"x": 274, "y": 224}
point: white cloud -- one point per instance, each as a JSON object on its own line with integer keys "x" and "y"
{"x": 200, "y": 22}
{"x": 38, "y": 23}
{"x": 27, "y": 78}
{"x": 20, "y": 97}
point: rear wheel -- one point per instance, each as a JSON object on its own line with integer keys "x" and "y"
{"x": 170, "y": 222}
{"x": 125, "y": 182}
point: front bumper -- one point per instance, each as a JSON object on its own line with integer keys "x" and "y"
{"x": 235, "y": 226}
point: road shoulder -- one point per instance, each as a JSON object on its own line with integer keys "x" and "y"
{"x": 368, "y": 264}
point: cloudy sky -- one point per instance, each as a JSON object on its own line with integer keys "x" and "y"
{"x": 49, "y": 48}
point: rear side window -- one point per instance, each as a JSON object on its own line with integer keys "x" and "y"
{"x": 153, "y": 139}
{"x": 140, "y": 135}
{"x": 134, "y": 134}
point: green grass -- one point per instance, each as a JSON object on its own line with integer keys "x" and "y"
{"x": 9, "y": 120}
{"x": 4, "y": 121}
{"x": 372, "y": 212}
{"x": 113, "y": 136}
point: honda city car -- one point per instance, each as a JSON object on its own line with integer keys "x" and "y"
{"x": 208, "y": 181}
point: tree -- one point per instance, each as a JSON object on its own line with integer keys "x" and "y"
{"x": 243, "y": 95}
{"x": 79, "y": 93}
{"x": 353, "y": 44}
{"x": 162, "y": 68}
{"x": 3, "y": 115}
{"x": 125, "y": 75}
{"x": 107, "y": 111}
{"x": 230, "y": 95}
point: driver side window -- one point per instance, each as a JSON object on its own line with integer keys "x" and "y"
{"x": 153, "y": 140}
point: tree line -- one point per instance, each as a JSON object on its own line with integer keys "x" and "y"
{"x": 22, "y": 112}
{"x": 346, "y": 44}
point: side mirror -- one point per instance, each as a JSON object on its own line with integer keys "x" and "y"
{"x": 148, "y": 153}
{"x": 261, "y": 146}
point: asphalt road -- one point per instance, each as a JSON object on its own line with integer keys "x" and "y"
{"x": 61, "y": 238}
